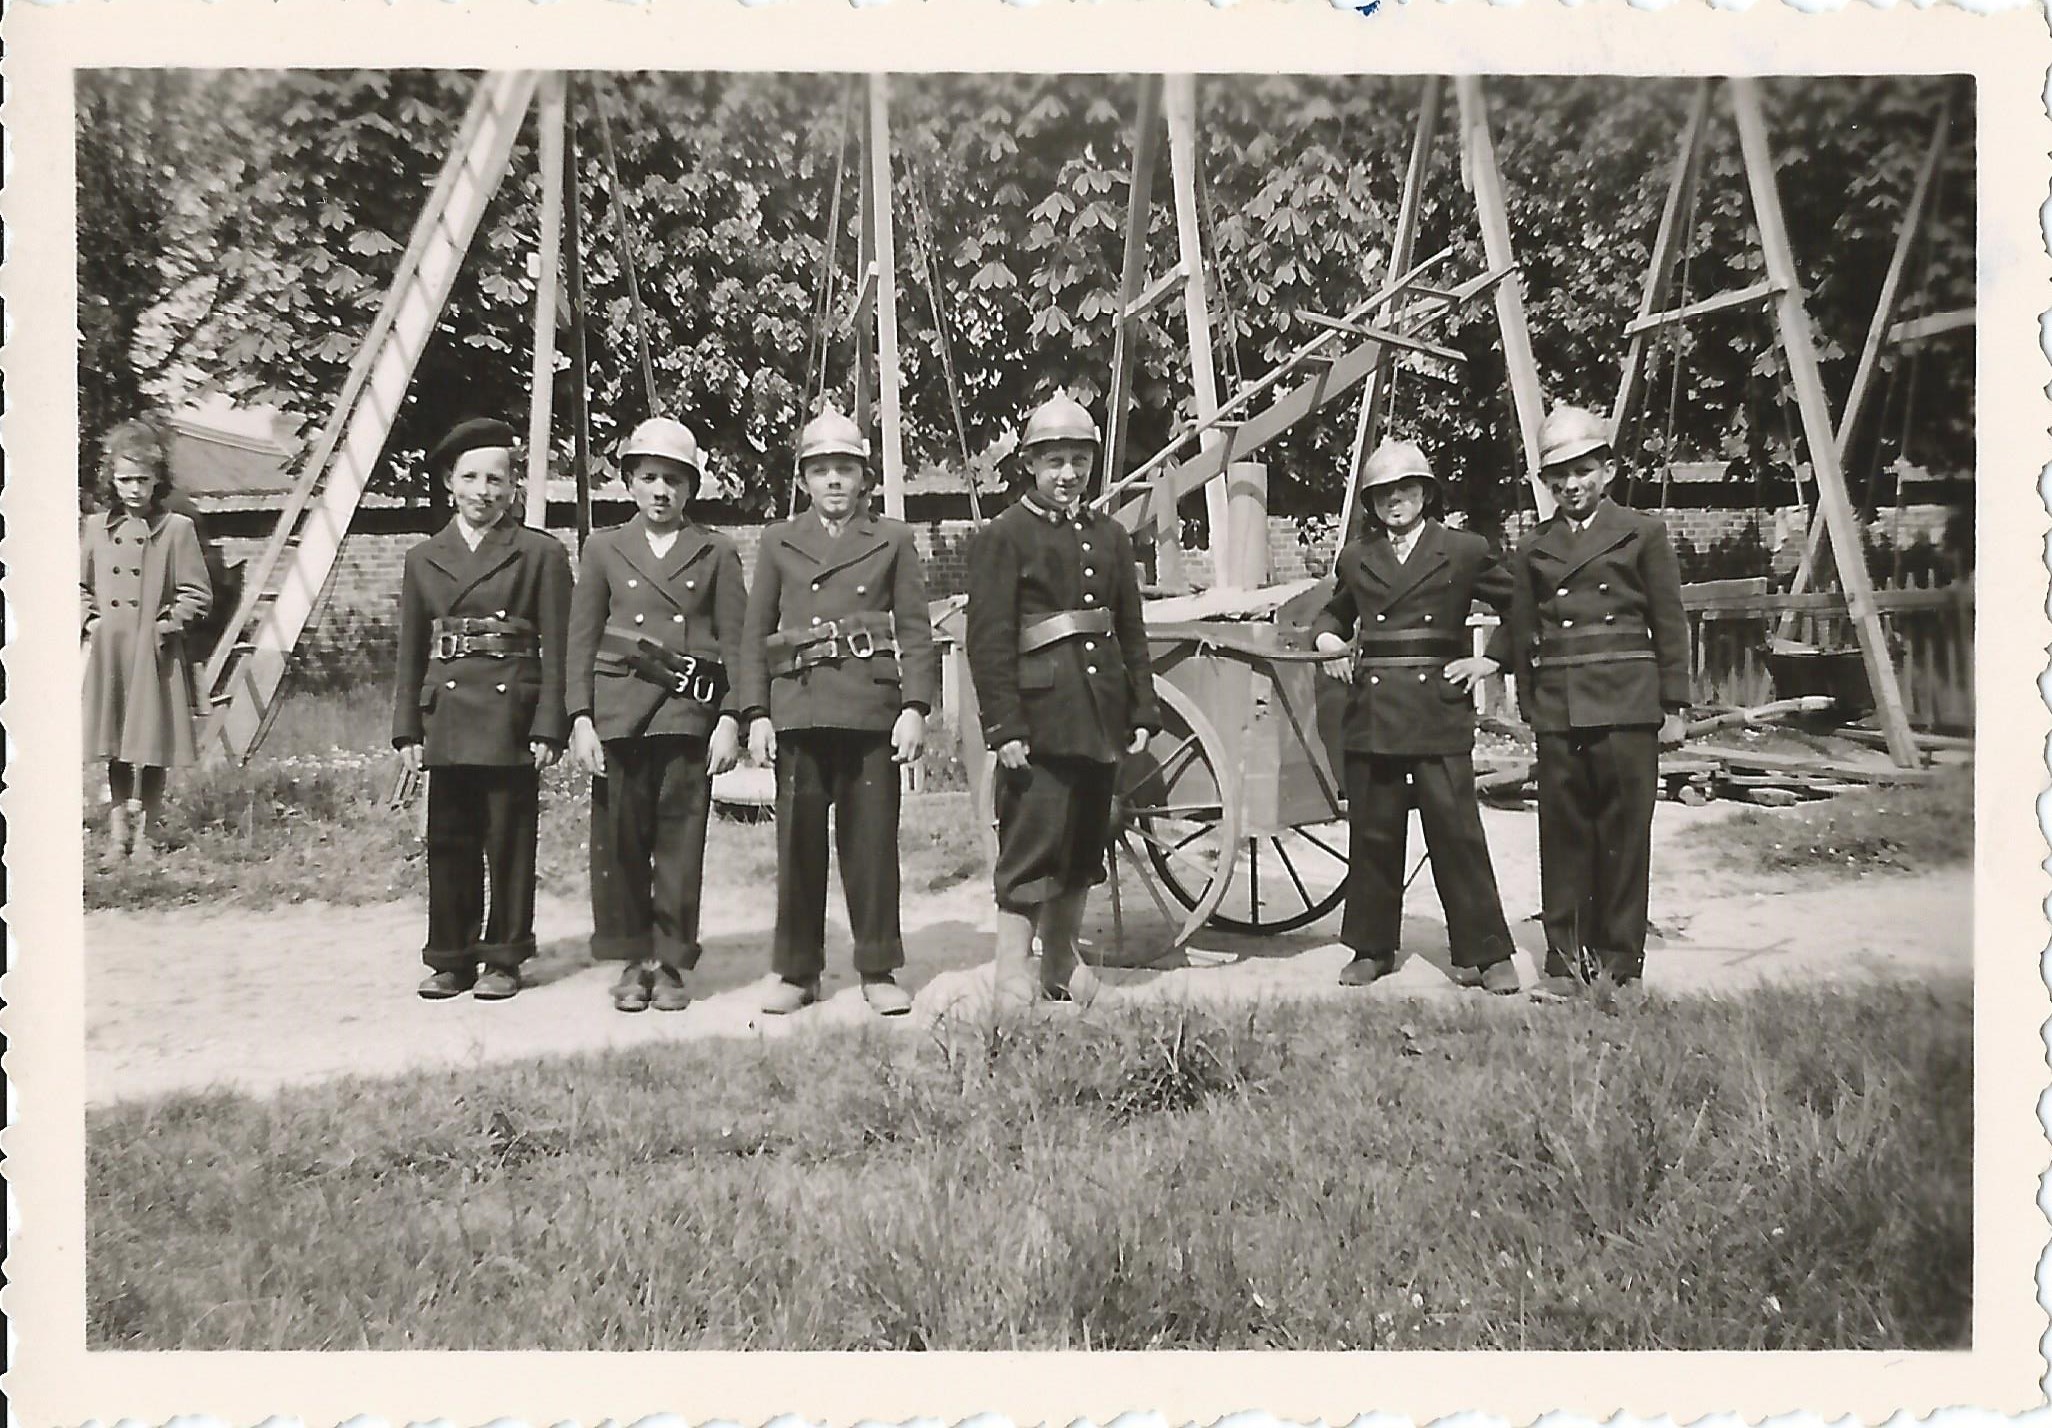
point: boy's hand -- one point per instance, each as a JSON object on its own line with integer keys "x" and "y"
{"x": 1674, "y": 731}
{"x": 1138, "y": 743}
{"x": 908, "y": 736}
{"x": 410, "y": 757}
{"x": 762, "y": 741}
{"x": 545, "y": 755}
{"x": 586, "y": 752}
{"x": 723, "y": 751}
{"x": 1469, "y": 672}
{"x": 1014, "y": 753}
{"x": 1341, "y": 667}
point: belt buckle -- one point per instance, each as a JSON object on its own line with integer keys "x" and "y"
{"x": 861, "y": 643}
{"x": 449, "y": 645}
{"x": 682, "y": 672}
{"x": 702, "y": 688}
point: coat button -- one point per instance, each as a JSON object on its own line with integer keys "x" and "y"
{"x": 1090, "y": 646}
{"x": 1090, "y": 669}
{"x": 633, "y": 584}
{"x": 1421, "y": 679}
{"x": 691, "y": 585}
{"x": 1428, "y": 619}
{"x": 1562, "y": 591}
{"x": 1087, "y": 571}
{"x": 1567, "y": 624}
{"x": 501, "y": 688}
{"x": 1375, "y": 679}
{"x": 815, "y": 619}
{"x": 1610, "y": 619}
{"x": 1090, "y": 599}
{"x": 1603, "y": 586}
{"x": 864, "y": 589}
{"x": 452, "y": 684}
{"x": 815, "y": 585}
{"x": 499, "y": 614}
{"x": 639, "y": 618}
{"x": 676, "y": 619}
{"x": 1379, "y": 619}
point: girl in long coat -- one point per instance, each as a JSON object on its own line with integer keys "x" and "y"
{"x": 143, "y": 583}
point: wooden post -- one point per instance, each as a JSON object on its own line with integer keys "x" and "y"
{"x": 1877, "y": 332}
{"x": 1480, "y": 154}
{"x": 580, "y": 368}
{"x": 1375, "y": 396}
{"x": 1798, "y": 345}
{"x": 893, "y": 456}
{"x": 547, "y": 286}
{"x": 1247, "y": 510}
{"x": 1667, "y": 242}
{"x": 1181, "y": 103}
{"x": 864, "y": 317}
{"x": 1132, "y": 273}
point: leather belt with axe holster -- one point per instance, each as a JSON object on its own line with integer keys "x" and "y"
{"x": 699, "y": 678}
{"x": 862, "y": 635}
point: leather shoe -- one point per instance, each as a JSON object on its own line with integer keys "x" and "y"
{"x": 670, "y": 993}
{"x": 440, "y": 986}
{"x": 1500, "y": 978}
{"x": 1081, "y": 988}
{"x": 786, "y": 997}
{"x": 1363, "y": 970}
{"x": 885, "y": 996}
{"x": 496, "y": 984}
{"x": 630, "y": 993}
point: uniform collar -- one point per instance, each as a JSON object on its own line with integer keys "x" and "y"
{"x": 1048, "y": 513}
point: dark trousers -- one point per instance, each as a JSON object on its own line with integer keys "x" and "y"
{"x": 1596, "y": 793}
{"x": 648, "y": 849}
{"x": 849, "y": 771}
{"x": 1054, "y": 818}
{"x": 1379, "y": 798}
{"x": 481, "y": 817}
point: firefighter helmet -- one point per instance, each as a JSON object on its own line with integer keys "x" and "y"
{"x": 662, "y": 436}
{"x": 1569, "y": 432}
{"x": 1060, "y": 418}
{"x": 1395, "y": 461}
{"x": 832, "y": 433}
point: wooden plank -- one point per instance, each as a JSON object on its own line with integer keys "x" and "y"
{"x": 580, "y": 368}
{"x": 1494, "y": 217}
{"x": 1740, "y": 297}
{"x": 548, "y": 123}
{"x": 1368, "y": 427}
{"x": 1667, "y": 241}
{"x": 1383, "y": 335}
{"x": 888, "y": 378}
{"x": 1180, "y": 106}
{"x": 1800, "y": 350}
{"x": 1918, "y": 329}
{"x": 1824, "y": 602}
{"x": 1132, "y": 270}
{"x": 1824, "y": 768}
{"x": 1906, "y": 237}
{"x": 1155, "y": 293}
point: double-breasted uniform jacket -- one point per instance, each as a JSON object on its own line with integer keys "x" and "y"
{"x": 1581, "y": 600}
{"x": 1414, "y": 610}
{"x": 1079, "y": 698}
{"x": 483, "y": 709}
{"x": 804, "y": 580}
{"x": 691, "y": 600}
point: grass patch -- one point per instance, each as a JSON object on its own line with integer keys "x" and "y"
{"x": 1789, "y": 1169}
{"x": 1912, "y": 828}
{"x": 309, "y": 820}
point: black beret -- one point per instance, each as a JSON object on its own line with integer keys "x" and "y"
{"x": 469, "y": 436}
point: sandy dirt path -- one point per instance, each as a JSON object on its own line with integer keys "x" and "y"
{"x": 192, "y": 998}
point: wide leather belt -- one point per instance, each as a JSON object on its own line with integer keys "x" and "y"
{"x": 458, "y": 636}
{"x": 1559, "y": 649}
{"x": 862, "y": 635}
{"x": 1390, "y": 649}
{"x": 700, "y": 678}
{"x": 1064, "y": 625}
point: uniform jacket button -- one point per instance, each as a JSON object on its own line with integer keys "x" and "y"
{"x": 1428, "y": 619}
{"x": 676, "y": 619}
{"x": 633, "y": 584}
{"x": 815, "y": 619}
{"x": 1610, "y": 619}
{"x": 1090, "y": 669}
{"x": 1090, "y": 599}
{"x": 501, "y": 688}
{"x": 1604, "y": 586}
{"x": 1567, "y": 624}
{"x": 1421, "y": 679}
{"x": 815, "y": 585}
{"x": 864, "y": 589}
{"x": 691, "y": 585}
{"x": 499, "y": 614}
{"x": 1379, "y": 619}
{"x": 1562, "y": 591}
{"x": 452, "y": 684}
{"x": 639, "y": 619}
{"x": 1090, "y": 646}
{"x": 1375, "y": 679}
{"x": 1087, "y": 571}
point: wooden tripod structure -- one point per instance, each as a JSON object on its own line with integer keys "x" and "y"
{"x": 241, "y": 683}
{"x": 1347, "y": 351}
{"x": 1782, "y": 291}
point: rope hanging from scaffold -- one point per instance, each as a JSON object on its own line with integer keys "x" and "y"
{"x": 818, "y": 346}
{"x": 627, "y": 267}
{"x": 922, "y": 231}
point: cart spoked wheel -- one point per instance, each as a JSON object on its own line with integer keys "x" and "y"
{"x": 1280, "y": 881}
{"x": 1175, "y": 818}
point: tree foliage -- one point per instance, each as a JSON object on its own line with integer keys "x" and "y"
{"x": 237, "y": 231}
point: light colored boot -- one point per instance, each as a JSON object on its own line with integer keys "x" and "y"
{"x": 1064, "y": 977}
{"x": 117, "y": 830}
{"x": 1011, "y": 968}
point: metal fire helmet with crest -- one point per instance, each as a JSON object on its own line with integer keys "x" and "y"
{"x": 1060, "y": 418}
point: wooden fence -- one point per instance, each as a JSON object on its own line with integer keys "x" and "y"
{"x": 1735, "y": 629}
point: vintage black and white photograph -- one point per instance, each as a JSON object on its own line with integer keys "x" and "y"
{"x": 981, "y": 708}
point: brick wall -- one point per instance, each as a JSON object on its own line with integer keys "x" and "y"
{"x": 354, "y": 630}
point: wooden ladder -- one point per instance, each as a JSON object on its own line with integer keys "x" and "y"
{"x": 241, "y": 681}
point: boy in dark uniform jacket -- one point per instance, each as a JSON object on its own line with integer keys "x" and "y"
{"x": 1405, "y": 589}
{"x": 1058, "y": 650}
{"x": 1600, "y": 647}
{"x": 483, "y": 617}
{"x": 655, "y": 627}
{"x": 838, "y": 673}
